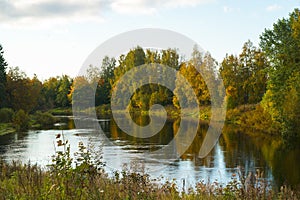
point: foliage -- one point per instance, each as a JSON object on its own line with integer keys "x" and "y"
{"x": 64, "y": 84}
{"x": 6, "y": 128}
{"x": 147, "y": 95}
{"x": 3, "y": 65}
{"x": 55, "y": 92}
{"x": 82, "y": 92}
{"x": 23, "y": 92}
{"x": 44, "y": 119}
{"x": 61, "y": 111}
{"x": 190, "y": 71}
{"x": 49, "y": 93}
{"x": 87, "y": 180}
{"x": 103, "y": 110}
{"x": 282, "y": 44}
{"x": 268, "y": 76}
{"x": 106, "y": 74}
{"x": 258, "y": 120}
{"x": 6, "y": 115}
{"x": 233, "y": 116}
{"x": 245, "y": 76}
{"x": 21, "y": 121}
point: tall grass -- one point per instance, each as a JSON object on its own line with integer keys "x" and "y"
{"x": 83, "y": 177}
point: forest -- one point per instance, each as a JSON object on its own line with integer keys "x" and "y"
{"x": 262, "y": 84}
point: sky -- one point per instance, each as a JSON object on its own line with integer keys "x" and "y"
{"x": 53, "y": 37}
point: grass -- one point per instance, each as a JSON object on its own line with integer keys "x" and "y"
{"x": 61, "y": 111}
{"x": 84, "y": 178}
{"x": 6, "y": 128}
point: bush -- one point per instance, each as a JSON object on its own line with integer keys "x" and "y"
{"x": 103, "y": 110}
{"x": 44, "y": 119}
{"x": 6, "y": 115}
{"x": 259, "y": 120}
{"x": 21, "y": 121}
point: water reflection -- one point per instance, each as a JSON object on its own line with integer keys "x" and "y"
{"x": 233, "y": 149}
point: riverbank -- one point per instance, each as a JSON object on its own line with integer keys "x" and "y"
{"x": 243, "y": 117}
{"x": 229, "y": 145}
{"x": 88, "y": 180}
{"x": 21, "y": 121}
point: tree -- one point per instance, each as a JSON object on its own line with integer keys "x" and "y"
{"x": 170, "y": 58}
{"x": 245, "y": 76}
{"x": 106, "y": 75}
{"x": 281, "y": 45}
{"x": 81, "y": 93}
{"x": 132, "y": 59}
{"x": 21, "y": 120}
{"x": 139, "y": 56}
{"x": 63, "y": 90}
{"x": 49, "y": 93}
{"x": 35, "y": 88}
{"x": 23, "y": 92}
{"x": 3, "y": 65}
{"x": 229, "y": 74}
{"x": 191, "y": 71}
{"x": 152, "y": 57}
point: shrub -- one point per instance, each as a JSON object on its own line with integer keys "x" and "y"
{"x": 88, "y": 180}
{"x": 6, "y": 115}
{"x": 21, "y": 121}
{"x": 44, "y": 119}
{"x": 103, "y": 110}
{"x": 259, "y": 120}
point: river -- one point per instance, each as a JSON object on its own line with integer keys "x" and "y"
{"x": 234, "y": 150}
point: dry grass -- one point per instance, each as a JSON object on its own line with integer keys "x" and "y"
{"x": 87, "y": 180}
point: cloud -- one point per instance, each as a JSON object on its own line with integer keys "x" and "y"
{"x": 133, "y": 6}
{"x": 227, "y": 9}
{"x": 180, "y": 3}
{"x": 273, "y": 7}
{"x": 26, "y": 12}
{"x": 52, "y": 12}
{"x": 136, "y": 7}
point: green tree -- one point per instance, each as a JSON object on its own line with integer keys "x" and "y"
{"x": 281, "y": 45}
{"x": 35, "y": 88}
{"x": 63, "y": 90}
{"x": 3, "y": 65}
{"x": 103, "y": 92}
{"x": 229, "y": 73}
{"x": 21, "y": 120}
{"x": 49, "y": 93}
{"x": 133, "y": 58}
{"x": 139, "y": 56}
{"x": 245, "y": 76}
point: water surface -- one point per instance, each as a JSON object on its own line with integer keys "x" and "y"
{"x": 233, "y": 150}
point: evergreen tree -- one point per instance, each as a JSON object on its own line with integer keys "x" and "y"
{"x": 3, "y": 65}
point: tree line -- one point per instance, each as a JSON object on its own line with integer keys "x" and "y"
{"x": 268, "y": 75}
